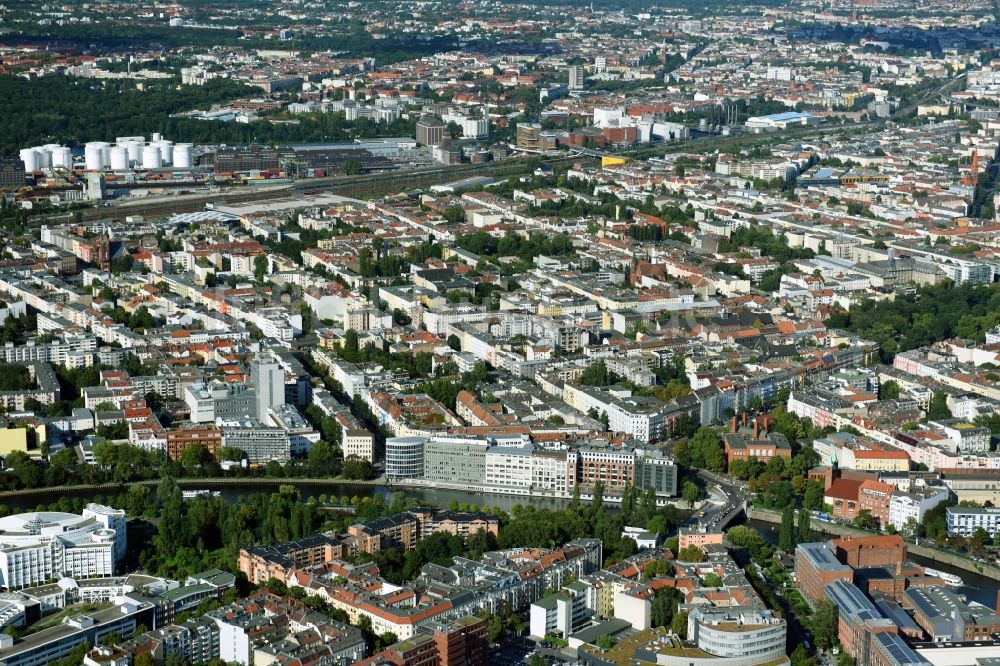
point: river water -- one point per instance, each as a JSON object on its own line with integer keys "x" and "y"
{"x": 975, "y": 588}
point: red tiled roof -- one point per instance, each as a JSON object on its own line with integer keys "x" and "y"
{"x": 846, "y": 489}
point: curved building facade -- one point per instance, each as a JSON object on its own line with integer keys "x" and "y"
{"x": 404, "y": 458}
{"x": 39, "y": 546}
{"x": 753, "y": 635}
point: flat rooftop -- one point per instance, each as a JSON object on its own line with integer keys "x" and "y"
{"x": 821, "y": 557}
{"x": 288, "y": 203}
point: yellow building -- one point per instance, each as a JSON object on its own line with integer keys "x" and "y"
{"x": 13, "y": 439}
{"x": 880, "y": 461}
{"x": 603, "y": 588}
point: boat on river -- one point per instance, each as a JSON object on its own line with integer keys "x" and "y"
{"x": 950, "y": 579}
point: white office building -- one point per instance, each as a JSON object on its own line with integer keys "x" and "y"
{"x": 964, "y": 521}
{"x": 404, "y": 458}
{"x": 509, "y": 466}
{"x": 549, "y": 472}
{"x": 260, "y": 442}
{"x": 560, "y": 614}
{"x": 268, "y": 380}
{"x": 752, "y": 634}
{"x": 48, "y": 646}
{"x": 39, "y": 546}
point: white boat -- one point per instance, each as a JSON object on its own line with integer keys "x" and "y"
{"x": 195, "y": 494}
{"x": 950, "y": 579}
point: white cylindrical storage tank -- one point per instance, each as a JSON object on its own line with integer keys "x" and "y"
{"x": 30, "y": 159}
{"x": 166, "y": 151}
{"x": 151, "y": 158}
{"x": 134, "y": 151}
{"x": 92, "y": 157}
{"x": 156, "y": 137}
{"x": 62, "y": 158}
{"x": 93, "y": 154}
{"x": 44, "y": 157}
{"x": 50, "y": 154}
{"x": 119, "y": 158}
{"x": 182, "y": 156}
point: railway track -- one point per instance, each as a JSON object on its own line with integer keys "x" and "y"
{"x": 352, "y": 186}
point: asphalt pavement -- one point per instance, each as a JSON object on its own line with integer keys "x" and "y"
{"x": 732, "y": 494}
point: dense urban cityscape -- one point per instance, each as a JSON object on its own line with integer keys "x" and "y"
{"x": 436, "y": 333}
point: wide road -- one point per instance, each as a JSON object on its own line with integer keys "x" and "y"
{"x": 717, "y": 515}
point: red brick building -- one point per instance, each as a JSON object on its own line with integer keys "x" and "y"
{"x": 842, "y": 495}
{"x": 816, "y": 567}
{"x": 193, "y": 434}
{"x": 621, "y": 135}
{"x": 260, "y": 563}
{"x": 871, "y": 551}
{"x": 827, "y": 475}
{"x": 874, "y": 497}
{"x": 464, "y": 642}
{"x": 611, "y": 466}
{"x": 858, "y": 620}
{"x": 755, "y": 442}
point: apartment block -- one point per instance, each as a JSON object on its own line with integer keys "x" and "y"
{"x": 964, "y": 521}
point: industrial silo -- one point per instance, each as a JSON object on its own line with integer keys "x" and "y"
{"x": 30, "y": 159}
{"x": 134, "y": 151}
{"x": 166, "y": 151}
{"x": 62, "y": 158}
{"x": 119, "y": 158}
{"x": 94, "y": 157}
{"x": 44, "y": 157}
{"x": 50, "y": 150}
{"x": 151, "y": 158}
{"x": 182, "y": 155}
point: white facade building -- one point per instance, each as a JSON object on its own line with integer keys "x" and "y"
{"x": 752, "y": 634}
{"x": 404, "y": 457}
{"x": 633, "y": 608}
{"x": 355, "y": 439}
{"x": 967, "y": 437}
{"x": 268, "y": 379}
{"x": 559, "y": 614}
{"x": 261, "y": 443}
{"x": 964, "y": 521}
{"x": 39, "y": 546}
{"x": 904, "y": 507}
{"x": 549, "y": 472}
{"x": 509, "y": 466}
